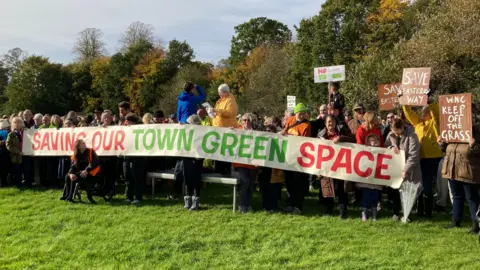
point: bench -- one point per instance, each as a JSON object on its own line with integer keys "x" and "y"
{"x": 214, "y": 178}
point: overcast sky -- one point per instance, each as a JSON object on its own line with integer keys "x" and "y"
{"x": 50, "y": 27}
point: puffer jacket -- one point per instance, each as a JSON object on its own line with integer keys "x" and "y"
{"x": 409, "y": 143}
{"x": 226, "y": 111}
{"x": 187, "y": 104}
{"x": 462, "y": 161}
{"x": 427, "y": 131}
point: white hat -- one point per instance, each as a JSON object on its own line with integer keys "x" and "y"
{"x": 4, "y": 124}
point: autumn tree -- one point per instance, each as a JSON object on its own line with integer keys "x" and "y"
{"x": 254, "y": 33}
{"x": 13, "y": 59}
{"x": 89, "y": 44}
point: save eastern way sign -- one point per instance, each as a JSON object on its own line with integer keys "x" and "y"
{"x": 345, "y": 161}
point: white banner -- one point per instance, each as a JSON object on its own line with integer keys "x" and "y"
{"x": 344, "y": 161}
{"x": 329, "y": 74}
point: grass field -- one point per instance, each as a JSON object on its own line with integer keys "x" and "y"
{"x": 37, "y": 231}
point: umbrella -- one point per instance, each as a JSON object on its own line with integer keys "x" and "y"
{"x": 409, "y": 192}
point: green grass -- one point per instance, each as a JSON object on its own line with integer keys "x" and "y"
{"x": 37, "y": 231}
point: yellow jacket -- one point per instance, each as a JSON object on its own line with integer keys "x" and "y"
{"x": 427, "y": 131}
{"x": 226, "y": 112}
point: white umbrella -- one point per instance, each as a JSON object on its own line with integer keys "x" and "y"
{"x": 409, "y": 192}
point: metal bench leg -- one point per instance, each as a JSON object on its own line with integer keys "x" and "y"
{"x": 153, "y": 188}
{"x": 234, "y": 198}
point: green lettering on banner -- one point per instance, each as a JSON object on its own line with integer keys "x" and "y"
{"x": 243, "y": 146}
{"x": 149, "y": 143}
{"x": 276, "y": 151}
{"x": 259, "y": 147}
{"x": 182, "y": 139}
{"x": 168, "y": 138}
{"x": 228, "y": 147}
{"x": 137, "y": 133}
{"x": 213, "y": 143}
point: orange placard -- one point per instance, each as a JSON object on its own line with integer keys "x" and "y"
{"x": 388, "y": 96}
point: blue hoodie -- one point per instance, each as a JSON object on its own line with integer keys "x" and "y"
{"x": 187, "y": 104}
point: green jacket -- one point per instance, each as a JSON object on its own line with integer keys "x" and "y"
{"x": 51, "y": 126}
{"x": 13, "y": 145}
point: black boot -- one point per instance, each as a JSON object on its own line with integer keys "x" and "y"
{"x": 343, "y": 211}
{"x": 475, "y": 228}
{"x": 454, "y": 224}
{"x": 428, "y": 207}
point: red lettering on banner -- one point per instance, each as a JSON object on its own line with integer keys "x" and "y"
{"x": 54, "y": 142}
{"x": 382, "y": 166}
{"x": 36, "y": 141}
{"x": 356, "y": 163}
{"x": 96, "y": 142}
{"x": 69, "y": 141}
{"x": 347, "y": 153}
{"x": 321, "y": 158}
{"x": 119, "y": 138}
{"x": 308, "y": 156}
{"x": 81, "y": 136}
{"x": 108, "y": 146}
{"x": 46, "y": 141}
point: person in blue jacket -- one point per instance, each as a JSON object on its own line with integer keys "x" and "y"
{"x": 188, "y": 101}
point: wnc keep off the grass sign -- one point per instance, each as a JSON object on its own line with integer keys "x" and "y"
{"x": 350, "y": 162}
{"x": 456, "y": 117}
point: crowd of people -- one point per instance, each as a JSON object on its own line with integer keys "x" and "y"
{"x": 446, "y": 169}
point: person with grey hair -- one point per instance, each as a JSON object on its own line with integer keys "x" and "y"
{"x": 225, "y": 113}
{"x": 38, "y": 118}
{"x": 322, "y": 111}
{"x": 247, "y": 173}
{"x": 194, "y": 120}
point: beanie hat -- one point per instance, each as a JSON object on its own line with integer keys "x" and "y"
{"x": 300, "y": 108}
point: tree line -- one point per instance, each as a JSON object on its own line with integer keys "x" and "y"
{"x": 375, "y": 39}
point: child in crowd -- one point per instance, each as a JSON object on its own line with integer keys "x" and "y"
{"x": 370, "y": 193}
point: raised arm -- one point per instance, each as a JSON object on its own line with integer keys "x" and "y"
{"x": 411, "y": 116}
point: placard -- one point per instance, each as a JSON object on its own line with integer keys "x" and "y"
{"x": 456, "y": 117}
{"x": 415, "y": 84}
{"x": 329, "y": 74}
{"x": 388, "y": 96}
{"x": 291, "y": 103}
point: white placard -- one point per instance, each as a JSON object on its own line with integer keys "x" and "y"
{"x": 291, "y": 102}
{"x": 329, "y": 74}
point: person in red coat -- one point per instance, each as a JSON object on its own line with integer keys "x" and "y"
{"x": 368, "y": 127}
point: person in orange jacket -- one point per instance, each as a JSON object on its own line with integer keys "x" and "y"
{"x": 297, "y": 182}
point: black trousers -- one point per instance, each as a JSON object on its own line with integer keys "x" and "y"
{"x": 134, "y": 171}
{"x": 342, "y": 196}
{"x": 69, "y": 187}
{"x": 295, "y": 182}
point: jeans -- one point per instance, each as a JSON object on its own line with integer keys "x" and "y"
{"x": 460, "y": 192}
{"x": 133, "y": 169}
{"x": 24, "y": 170}
{"x": 370, "y": 197}
{"x": 429, "y": 174}
{"x": 245, "y": 187}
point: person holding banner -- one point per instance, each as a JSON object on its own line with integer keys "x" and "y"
{"x": 297, "y": 181}
{"x": 461, "y": 166}
{"x": 403, "y": 137}
{"x": 369, "y": 126}
{"x": 427, "y": 128}
{"x": 225, "y": 111}
{"x": 133, "y": 169}
{"x": 246, "y": 172}
{"x": 336, "y": 134}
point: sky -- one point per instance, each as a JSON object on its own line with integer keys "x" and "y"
{"x": 50, "y": 27}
